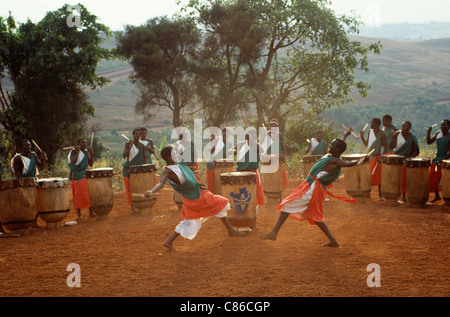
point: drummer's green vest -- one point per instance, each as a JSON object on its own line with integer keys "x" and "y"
{"x": 377, "y": 146}
{"x": 191, "y": 189}
{"x": 407, "y": 147}
{"x": 78, "y": 171}
{"x": 320, "y": 149}
{"x": 246, "y": 165}
{"x": 137, "y": 160}
{"x": 327, "y": 179}
{"x": 442, "y": 148}
{"x": 148, "y": 154}
{"x": 389, "y": 138}
{"x": 32, "y": 168}
{"x": 279, "y": 151}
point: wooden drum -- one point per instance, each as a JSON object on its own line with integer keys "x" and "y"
{"x": 391, "y": 177}
{"x": 53, "y": 200}
{"x": 308, "y": 163}
{"x": 18, "y": 203}
{"x": 221, "y": 166}
{"x": 357, "y": 178}
{"x": 272, "y": 182}
{"x": 142, "y": 179}
{"x": 240, "y": 189}
{"x": 446, "y": 181}
{"x": 417, "y": 184}
{"x": 101, "y": 195}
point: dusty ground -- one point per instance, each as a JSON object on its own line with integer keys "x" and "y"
{"x": 124, "y": 255}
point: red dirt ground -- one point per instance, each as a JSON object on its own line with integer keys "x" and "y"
{"x": 124, "y": 255}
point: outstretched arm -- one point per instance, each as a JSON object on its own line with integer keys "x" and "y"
{"x": 162, "y": 180}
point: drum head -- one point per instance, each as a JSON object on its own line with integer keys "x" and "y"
{"x": 56, "y": 182}
{"x": 417, "y": 162}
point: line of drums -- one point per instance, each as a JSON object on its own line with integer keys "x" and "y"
{"x": 22, "y": 200}
{"x": 357, "y": 179}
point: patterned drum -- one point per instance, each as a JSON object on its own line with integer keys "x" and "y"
{"x": 272, "y": 182}
{"x": 446, "y": 181}
{"x": 391, "y": 177}
{"x": 18, "y": 203}
{"x": 308, "y": 162}
{"x": 357, "y": 178}
{"x": 240, "y": 189}
{"x": 101, "y": 195}
{"x": 142, "y": 179}
{"x": 53, "y": 200}
{"x": 221, "y": 166}
{"x": 417, "y": 183}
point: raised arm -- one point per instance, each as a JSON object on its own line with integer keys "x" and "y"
{"x": 162, "y": 181}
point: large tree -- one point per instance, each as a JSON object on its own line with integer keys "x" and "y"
{"x": 298, "y": 52}
{"x": 49, "y": 64}
{"x": 160, "y": 52}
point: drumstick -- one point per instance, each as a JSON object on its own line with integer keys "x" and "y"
{"x": 375, "y": 168}
{"x": 365, "y": 127}
{"x": 144, "y": 195}
{"x": 345, "y": 128}
{"x": 364, "y": 157}
{"x": 37, "y": 146}
{"x": 92, "y": 139}
{"x": 125, "y": 137}
{"x": 68, "y": 147}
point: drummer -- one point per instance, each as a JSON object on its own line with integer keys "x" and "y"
{"x": 407, "y": 144}
{"x": 198, "y": 203}
{"x": 80, "y": 158}
{"x": 442, "y": 138}
{"x": 388, "y": 127}
{"x": 180, "y": 147}
{"x": 24, "y": 164}
{"x": 376, "y": 140}
{"x": 148, "y": 143}
{"x": 306, "y": 201}
{"x": 134, "y": 152}
{"x": 317, "y": 145}
{"x": 281, "y": 147}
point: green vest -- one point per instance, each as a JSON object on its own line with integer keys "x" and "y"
{"x": 246, "y": 165}
{"x": 376, "y": 145}
{"x": 137, "y": 160}
{"x": 32, "y": 168}
{"x": 389, "y": 138}
{"x": 442, "y": 148}
{"x": 148, "y": 154}
{"x": 280, "y": 150}
{"x": 191, "y": 189}
{"x": 77, "y": 172}
{"x": 320, "y": 149}
{"x": 407, "y": 147}
{"x": 325, "y": 180}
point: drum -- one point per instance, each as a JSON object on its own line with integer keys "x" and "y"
{"x": 308, "y": 162}
{"x": 357, "y": 178}
{"x": 417, "y": 181}
{"x": 18, "y": 203}
{"x": 142, "y": 179}
{"x": 221, "y": 166}
{"x": 240, "y": 189}
{"x": 272, "y": 182}
{"x": 446, "y": 181}
{"x": 391, "y": 177}
{"x": 101, "y": 195}
{"x": 53, "y": 200}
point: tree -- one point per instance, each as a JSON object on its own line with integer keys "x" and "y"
{"x": 160, "y": 52}
{"x": 299, "y": 52}
{"x": 50, "y": 63}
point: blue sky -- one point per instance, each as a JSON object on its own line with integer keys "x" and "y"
{"x": 116, "y": 14}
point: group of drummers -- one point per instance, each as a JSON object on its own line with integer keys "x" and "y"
{"x": 383, "y": 138}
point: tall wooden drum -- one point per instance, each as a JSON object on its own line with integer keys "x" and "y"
{"x": 101, "y": 194}
{"x": 308, "y": 162}
{"x": 18, "y": 203}
{"x": 53, "y": 200}
{"x": 272, "y": 182}
{"x": 391, "y": 177}
{"x": 357, "y": 178}
{"x": 221, "y": 166}
{"x": 417, "y": 184}
{"x": 142, "y": 179}
{"x": 240, "y": 189}
{"x": 446, "y": 181}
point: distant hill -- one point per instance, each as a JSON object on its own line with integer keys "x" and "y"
{"x": 408, "y": 32}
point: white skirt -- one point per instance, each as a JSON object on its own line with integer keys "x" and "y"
{"x": 188, "y": 228}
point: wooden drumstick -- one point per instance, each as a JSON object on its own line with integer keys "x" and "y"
{"x": 365, "y": 127}
{"x": 353, "y": 133}
{"x": 375, "y": 168}
{"x": 367, "y": 155}
{"x": 434, "y": 125}
{"x": 68, "y": 147}
{"x": 37, "y": 146}
{"x": 92, "y": 139}
{"x": 143, "y": 195}
{"x": 125, "y": 137}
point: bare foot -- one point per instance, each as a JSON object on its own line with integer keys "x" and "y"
{"x": 169, "y": 246}
{"x": 235, "y": 233}
{"x": 331, "y": 245}
{"x": 269, "y": 236}
{"x": 437, "y": 198}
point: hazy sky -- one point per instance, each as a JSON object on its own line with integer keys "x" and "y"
{"x": 116, "y": 14}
